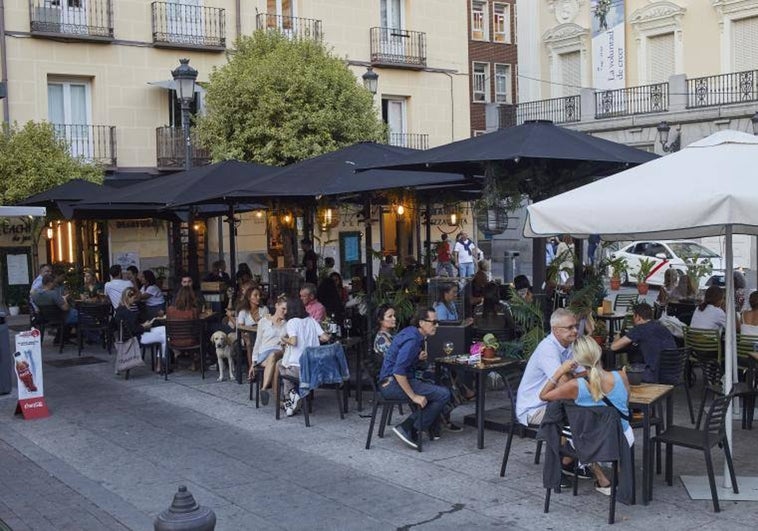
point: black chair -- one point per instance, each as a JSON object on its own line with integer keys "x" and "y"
{"x": 184, "y": 336}
{"x": 51, "y": 316}
{"x": 713, "y": 433}
{"x": 255, "y": 382}
{"x": 93, "y": 317}
{"x": 671, "y": 371}
{"x": 713, "y": 372}
{"x": 512, "y": 378}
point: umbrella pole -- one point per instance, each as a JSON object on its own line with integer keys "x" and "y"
{"x": 730, "y": 353}
{"x": 232, "y": 241}
{"x": 428, "y": 244}
{"x": 538, "y": 264}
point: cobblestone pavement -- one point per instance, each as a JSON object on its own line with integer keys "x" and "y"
{"x": 113, "y": 453}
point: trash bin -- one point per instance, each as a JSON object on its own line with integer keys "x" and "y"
{"x": 6, "y": 360}
{"x": 510, "y": 266}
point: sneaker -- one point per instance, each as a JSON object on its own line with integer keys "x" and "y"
{"x": 294, "y": 397}
{"x": 566, "y": 482}
{"x": 290, "y": 411}
{"x": 286, "y": 404}
{"x": 434, "y": 434}
{"x": 404, "y": 436}
{"x": 449, "y": 426}
{"x": 603, "y": 490}
{"x": 582, "y": 472}
{"x": 264, "y": 397}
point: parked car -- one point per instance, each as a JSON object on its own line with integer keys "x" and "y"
{"x": 666, "y": 253}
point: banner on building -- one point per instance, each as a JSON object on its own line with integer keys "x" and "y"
{"x": 28, "y": 365}
{"x": 608, "y": 45}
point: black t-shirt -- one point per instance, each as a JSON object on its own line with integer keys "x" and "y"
{"x": 310, "y": 260}
{"x": 651, "y": 337}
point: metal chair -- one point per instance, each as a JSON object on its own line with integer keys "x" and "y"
{"x": 512, "y": 378}
{"x": 94, "y": 317}
{"x": 713, "y": 433}
{"x": 671, "y": 371}
{"x": 746, "y": 363}
{"x": 625, "y": 300}
{"x": 53, "y": 316}
{"x": 184, "y": 336}
{"x": 712, "y": 387}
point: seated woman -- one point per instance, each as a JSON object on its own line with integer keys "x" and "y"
{"x": 340, "y": 285}
{"x": 684, "y": 291}
{"x": 670, "y": 282}
{"x": 92, "y": 288}
{"x": 494, "y": 314}
{"x": 184, "y": 309}
{"x": 445, "y": 305}
{"x": 249, "y": 314}
{"x": 749, "y": 324}
{"x": 600, "y": 385}
{"x": 385, "y": 322}
{"x": 145, "y": 332}
{"x": 155, "y": 302}
{"x": 269, "y": 345}
{"x": 710, "y": 315}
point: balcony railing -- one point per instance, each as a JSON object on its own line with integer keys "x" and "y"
{"x": 189, "y": 26}
{"x": 644, "y": 99}
{"x": 170, "y": 149}
{"x": 397, "y": 47}
{"x": 93, "y": 143}
{"x": 409, "y": 140}
{"x": 301, "y": 28}
{"x": 735, "y": 87}
{"x": 90, "y": 20}
{"x": 558, "y": 110}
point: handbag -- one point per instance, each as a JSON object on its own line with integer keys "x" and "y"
{"x": 128, "y": 353}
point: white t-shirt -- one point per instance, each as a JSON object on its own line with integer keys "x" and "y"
{"x": 114, "y": 288}
{"x": 711, "y": 318}
{"x": 156, "y": 295}
{"x": 464, "y": 256}
{"x": 307, "y": 332}
{"x": 245, "y": 318}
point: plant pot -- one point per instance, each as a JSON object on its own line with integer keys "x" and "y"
{"x": 14, "y": 310}
{"x": 615, "y": 283}
{"x": 488, "y": 352}
{"x": 642, "y": 288}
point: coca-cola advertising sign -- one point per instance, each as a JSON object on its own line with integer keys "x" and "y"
{"x": 28, "y": 365}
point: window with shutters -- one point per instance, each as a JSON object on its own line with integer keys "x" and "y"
{"x": 501, "y": 23}
{"x": 478, "y": 20}
{"x": 571, "y": 72}
{"x": 745, "y": 44}
{"x": 502, "y": 83}
{"x": 480, "y": 81}
{"x": 660, "y": 57}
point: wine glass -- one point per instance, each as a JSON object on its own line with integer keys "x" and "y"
{"x": 348, "y": 324}
{"x": 448, "y": 347}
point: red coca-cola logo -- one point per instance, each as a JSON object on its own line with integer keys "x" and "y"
{"x": 33, "y": 405}
{"x": 30, "y": 333}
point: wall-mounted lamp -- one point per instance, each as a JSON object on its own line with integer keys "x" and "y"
{"x": 754, "y": 120}
{"x": 259, "y": 214}
{"x": 400, "y": 210}
{"x": 371, "y": 80}
{"x": 50, "y": 233}
{"x": 663, "y": 136}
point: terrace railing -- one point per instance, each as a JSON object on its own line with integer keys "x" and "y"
{"x": 297, "y": 27}
{"x": 409, "y": 140}
{"x": 171, "y": 147}
{"x": 72, "y": 20}
{"x": 92, "y": 143}
{"x": 188, "y": 26}
{"x": 398, "y": 47}
{"x": 567, "y": 109}
{"x": 629, "y": 101}
{"x": 710, "y": 91}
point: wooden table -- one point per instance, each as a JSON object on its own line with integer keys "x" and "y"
{"x": 645, "y": 397}
{"x": 480, "y": 371}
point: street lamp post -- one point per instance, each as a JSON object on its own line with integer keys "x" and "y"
{"x": 371, "y": 80}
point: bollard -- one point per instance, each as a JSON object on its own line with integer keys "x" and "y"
{"x": 185, "y": 515}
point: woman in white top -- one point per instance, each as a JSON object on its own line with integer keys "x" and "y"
{"x": 250, "y": 314}
{"x": 749, "y": 324}
{"x": 268, "y": 348}
{"x": 303, "y": 331}
{"x": 155, "y": 302}
{"x": 710, "y": 315}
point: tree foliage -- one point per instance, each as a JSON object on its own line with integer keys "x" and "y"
{"x": 33, "y": 159}
{"x": 280, "y": 100}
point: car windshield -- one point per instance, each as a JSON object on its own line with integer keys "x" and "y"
{"x": 691, "y": 250}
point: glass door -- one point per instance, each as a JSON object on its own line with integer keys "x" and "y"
{"x": 393, "y": 36}
{"x": 69, "y": 110}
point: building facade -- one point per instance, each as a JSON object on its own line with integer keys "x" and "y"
{"x": 100, "y": 70}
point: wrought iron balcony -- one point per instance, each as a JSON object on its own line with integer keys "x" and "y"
{"x": 189, "y": 26}
{"x": 171, "y": 148}
{"x": 710, "y": 91}
{"x": 90, "y": 20}
{"x": 92, "y": 143}
{"x": 644, "y": 99}
{"x": 297, "y": 27}
{"x": 409, "y": 140}
{"x": 398, "y": 47}
{"x": 567, "y": 109}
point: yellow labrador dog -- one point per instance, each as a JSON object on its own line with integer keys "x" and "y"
{"x": 223, "y": 345}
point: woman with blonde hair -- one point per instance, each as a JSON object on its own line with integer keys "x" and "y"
{"x": 599, "y": 385}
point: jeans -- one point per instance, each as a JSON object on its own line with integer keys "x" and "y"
{"x": 447, "y": 267}
{"x": 436, "y": 396}
{"x": 466, "y": 269}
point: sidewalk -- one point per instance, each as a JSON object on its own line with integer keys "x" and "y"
{"x": 116, "y": 451}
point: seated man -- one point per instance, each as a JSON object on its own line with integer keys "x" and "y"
{"x": 44, "y": 269}
{"x": 397, "y": 379}
{"x": 50, "y": 295}
{"x": 312, "y": 305}
{"x": 116, "y": 286}
{"x": 650, "y": 336}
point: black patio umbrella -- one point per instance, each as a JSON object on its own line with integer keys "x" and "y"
{"x": 545, "y": 159}
{"x": 59, "y": 197}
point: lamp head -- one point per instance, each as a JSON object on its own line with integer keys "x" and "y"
{"x": 184, "y": 76}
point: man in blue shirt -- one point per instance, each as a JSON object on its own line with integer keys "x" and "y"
{"x": 397, "y": 378}
{"x": 651, "y": 338}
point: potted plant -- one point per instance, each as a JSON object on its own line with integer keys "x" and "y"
{"x": 645, "y": 268}
{"x": 487, "y": 347}
{"x": 600, "y": 333}
{"x": 698, "y": 269}
{"x": 618, "y": 267}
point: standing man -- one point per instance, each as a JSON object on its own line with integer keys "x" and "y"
{"x": 552, "y": 351}
{"x": 397, "y": 378}
{"x": 310, "y": 261}
{"x": 650, "y": 336}
{"x": 116, "y": 286}
{"x": 444, "y": 258}
{"x": 312, "y": 305}
{"x": 464, "y": 252}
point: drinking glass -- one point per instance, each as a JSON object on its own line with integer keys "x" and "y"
{"x": 348, "y": 324}
{"x": 448, "y": 347}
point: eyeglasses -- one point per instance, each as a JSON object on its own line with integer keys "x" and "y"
{"x": 434, "y": 322}
{"x": 572, "y": 327}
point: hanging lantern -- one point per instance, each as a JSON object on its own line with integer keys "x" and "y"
{"x": 400, "y": 210}
{"x": 287, "y": 219}
{"x": 453, "y": 217}
{"x": 492, "y": 218}
{"x": 327, "y": 217}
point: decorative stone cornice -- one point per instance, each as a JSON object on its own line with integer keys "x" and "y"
{"x": 661, "y": 14}
{"x": 565, "y": 35}
{"x": 731, "y": 7}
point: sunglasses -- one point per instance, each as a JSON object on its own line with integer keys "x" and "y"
{"x": 434, "y": 322}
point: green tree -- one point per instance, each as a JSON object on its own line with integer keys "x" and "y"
{"x": 280, "y": 100}
{"x": 33, "y": 159}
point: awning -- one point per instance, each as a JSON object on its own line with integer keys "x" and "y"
{"x": 15, "y": 211}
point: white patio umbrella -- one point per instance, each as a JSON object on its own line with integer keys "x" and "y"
{"x": 708, "y": 188}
